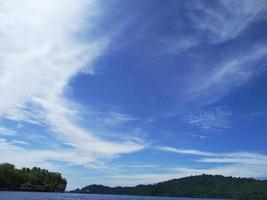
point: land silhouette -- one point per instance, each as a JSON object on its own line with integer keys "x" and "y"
{"x": 25, "y": 179}
{"x": 202, "y": 186}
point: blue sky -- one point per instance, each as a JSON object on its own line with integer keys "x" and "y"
{"x": 129, "y": 92}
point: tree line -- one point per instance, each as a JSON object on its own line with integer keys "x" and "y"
{"x": 202, "y": 186}
{"x": 26, "y": 179}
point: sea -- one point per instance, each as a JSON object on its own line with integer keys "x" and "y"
{"x": 70, "y": 196}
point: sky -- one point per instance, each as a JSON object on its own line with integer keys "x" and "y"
{"x": 127, "y": 92}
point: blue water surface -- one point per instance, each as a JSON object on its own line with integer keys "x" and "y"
{"x": 69, "y": 196}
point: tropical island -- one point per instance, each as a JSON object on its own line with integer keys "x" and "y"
{"x": 25, "y": 179}
{"x": 202, "y": 186}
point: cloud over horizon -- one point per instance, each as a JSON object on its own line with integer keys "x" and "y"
{"x": 40, "y": 53}
{"x": 92, "y": 85}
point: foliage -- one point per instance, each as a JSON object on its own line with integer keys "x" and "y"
{"x": 34, "y": 179}
{"x": 203, "y": 186}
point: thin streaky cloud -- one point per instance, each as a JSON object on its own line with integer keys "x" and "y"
{"x": 20, "y": 142}
{"x": 216, "y": 119}
{"x": 111, "y": 118}
{"x": 226, "y": 76}
{"x": 228, "y": 21}
{"x": 179, "y": 172}
{"x": 4, "y": 131}
{"x": 103, "y": 94}
{"x": 185, "y": 151}
{"x": 249, "y": 158}
{"x": 50, "y": 55}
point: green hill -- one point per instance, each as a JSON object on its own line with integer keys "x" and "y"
{"x": 205, "y": 186}
{"x": 26, "y": 179}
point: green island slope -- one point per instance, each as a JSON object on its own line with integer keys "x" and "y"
{"x": 25, "y": 179}
{"x": 203, "y": 186}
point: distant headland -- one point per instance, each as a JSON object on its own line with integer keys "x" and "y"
{"x": 25, "y": 179}
{"x": 203, "y": 186}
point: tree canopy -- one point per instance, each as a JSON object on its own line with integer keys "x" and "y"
{"x": 203, "y": 186}
{"x": 26, "y": 179}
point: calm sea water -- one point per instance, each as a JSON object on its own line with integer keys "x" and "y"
{"x": 68, "y": 196}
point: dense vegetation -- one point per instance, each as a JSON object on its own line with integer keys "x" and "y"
{"x": 34, "y": 179}
{"x": 206, "y": 186}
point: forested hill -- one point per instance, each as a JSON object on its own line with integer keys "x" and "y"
{"x": 34, "y": 179}
{"x": 205, "y": 186}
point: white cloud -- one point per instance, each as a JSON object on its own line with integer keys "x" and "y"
{"x": 237, "y": 164}
{"x": 21, "y": 142}
{"x": 4, "y": 131}
{"x": 215, "y": 23}
{"x": 210, "y": 120}
{"x": 179, "y": 45}
{"x": 237, "y": 158}
{"x": 232, "y": 65}
{"x": 236, "y": 170}
{"x": 185, "y": 151}
{"x": 110, "y": 117}
{"x": 62, "y": 120}
{"x": 40, "y": 52}
{"x": 25, "y": 113}
{"x": 23, "y": 157}
{"x": 230, "y": 158}
{"x": 180, "y": 172}
{"x": 212, "y": 84}
{"x": 228, "y": 19}
{"x": 114, "y": 118}
{"x": 255, "y": 115}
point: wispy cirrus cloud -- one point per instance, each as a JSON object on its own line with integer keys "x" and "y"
{"x": 227, "y": 20}
{"x": 249, "y": 158}
{"x": 110, "y": 117}
{"x": 11, "y": 152}
{"x": 215, "y": 119}
{"x": 235, "y": 170}
{"x": 209, "y": 84}
{"x": 213, "y": 26}
{"x": 214, "y": 23}
{"x": 20, "y": 142}
{"x": 238, "y": 164}
{"x": 185, "y": 151}
{"x": 231, "y": 74}
{"x": 256, "y": 115}
{"x": 40, "y": 53}
{"x": 115, "y": 118}
{"x": 30, "y": 113}
{"x": 4, "y": 131}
